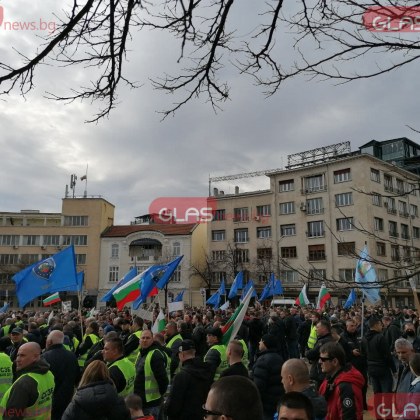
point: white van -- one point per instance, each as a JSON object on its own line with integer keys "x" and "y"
{"x": 283, "y": 302}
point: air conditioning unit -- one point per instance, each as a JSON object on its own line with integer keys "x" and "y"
{"x": 43, "y": 247}
{"x": 15, "y": 246}
{"x": 257, "y": 218}
{"x": 303, "y": 206}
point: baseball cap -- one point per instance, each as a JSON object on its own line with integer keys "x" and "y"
{"x": 186, "y": 345}
{"x": 17, "y": 331}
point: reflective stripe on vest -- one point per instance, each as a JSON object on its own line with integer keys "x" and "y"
{"x": 82, "y": 359}
{"x": 312, "y": 337}
{"x": 245, "y": 357}
{"x": 132, "y": 357}
{"x": 223, "y": 360}
{"x": 129, "y": 372}
{"x": 6, "y": 330}
{"x": 151, "y": 387}
{"x": 172, "y": 341}
{"x": 6, "y": 374}
{"x": 169, "y": 345}
{"x": 41, "y": 410}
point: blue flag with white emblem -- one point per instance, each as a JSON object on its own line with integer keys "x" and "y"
{"x": 54, "y": 274}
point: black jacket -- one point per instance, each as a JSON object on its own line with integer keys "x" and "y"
{"x": 375, "y": 347}
{"x": 64, "y": 367}
{"x": 313, "y": 357}
{"x": 189, "y": 391}
{"x": 318, "y": 402}
{"x": 199, "y": 338}
{"x": 97, "y": 401}
{"x": 158, "y": 366}
{"x": 359, "y": 362}
{"x": 24, "y": 392}
{"x": 237, "y": 369}
{"x": 267, "y": 378}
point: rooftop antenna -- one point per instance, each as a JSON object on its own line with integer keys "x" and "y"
{"x": 73, "y": 180}
{"x": 84, "y": 178}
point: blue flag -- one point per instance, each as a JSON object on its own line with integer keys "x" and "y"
{"x": 276, "y": 287}
{"x": 236, "y": 285}
{"x": 214, "y": 300}
{"x": 126, "y": 278}
{"x": 53, "y": 274}
{"x": 78, "y": 286}
{"x": 179, "y": 297}
{"x": 222, "y": 288}
{"x": 351, "y": 300}
{"x": 5, "y": 308}
{"x": 164, "y": 273}
{"x": 246, "y": 288}
{"x": 265, "y": 294}
{"x": 365, "y": 277}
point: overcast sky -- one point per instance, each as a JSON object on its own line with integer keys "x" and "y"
{"x": 134, "y": 157}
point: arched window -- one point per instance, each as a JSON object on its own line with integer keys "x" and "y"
{"x": 115, "y": 250}
{"x": 176, "y": 248}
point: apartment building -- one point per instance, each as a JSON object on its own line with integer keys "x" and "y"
{"x": 29, "y": 236}
{"x": 314, "y": 221}
{"x": 142, "y": 245}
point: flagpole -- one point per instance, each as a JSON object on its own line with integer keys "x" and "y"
{"x": 79, "y": 309}
{"x": 363, "y": 314}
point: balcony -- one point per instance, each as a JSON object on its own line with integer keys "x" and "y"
{"x": 388, "y": 188}
{"x": 404, "y": 214}
{"x": 314, "y": 189}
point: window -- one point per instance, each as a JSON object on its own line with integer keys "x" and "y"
{"x": 399, "y": 183}
{"x": 375, "y": 175}
{"x": 314, "y": 183}
{"x": 382, "y": 274}
{"x": 9, "y": 240}
{"x": 75, "y": 240}
{"x": 342, "y": 175}
{"x": 264, "y": 232}
{"x": 414, "y": 212}
{"x": 115, "y": 250}
{"x": 315, "y": 229}
{"x": 395, "y": 253}
{"x": 287, "y": 208}
{"x": 346, "y": 248}
{"x": 381, "y": 249}
{"x": 218, "y": 276}
{"x": 378, "y": 224}
{"x": 406, "y": 252}
{"x": 388, "y": 183}
{"x": 49, "y": 240}
{"x": 376, "y": 199}
{"x": 288, "y": 276}
{"x": 288, "y": 252}
{"x": 218, "y": 255}
{"x": 288, "y": 230}
{"x": 28, "y": 259}
{"x": 416, "y": 232}
{"x": 316, "y": 252}
{"x": 240, "y": 214}
{"x": 344, "y": 223}
{"x": 264, "y": 253}
{"x": 75, "y": 220}
{"x": 80, "y": 259}
{"x": 218, "y": 235}
{"x": 390, "y": 204}
{"x": 405, "y": 231}
{"x": 219, "y": 214}
{"x": 176, "y": 277}
{"x": 412, "y": 189}
{"x": 176, "y": 249}
{"x": 402, "y": 208}
{"x": 241, "y": 235}
{"x": 346, "y": 275}
{"x": 31, "y": 240}
{"x": 113, "y": 274}
{"x": 9, "y": 259}
{"x": 393, "y": 229}
{"x": 287, "y": 185}
{"x": 264, "y": 210}
{"x": 344, "y": 199}
{"x": 317, "y": 276}
{"x": 241, "y": 256}
{"x": 314, "y": 206}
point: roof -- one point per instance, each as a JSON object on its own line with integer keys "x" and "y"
{"x": 125, "y": 230}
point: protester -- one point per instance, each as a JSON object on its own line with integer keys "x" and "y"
{"x": 89, "y": 340}
{"x": 96, "y": 397}
{"x": 173, "y": 340}
{"x": 132, "y": 345}
{"x": 295, "y": 406}
{"x": 135, "y": 405}
{"x": 234, "y": 355}
{"x": 415, "y": 369}
{"x": 216, "y": 355}
{"x": 6, "y": 372}
{"x": 404, "y": 350}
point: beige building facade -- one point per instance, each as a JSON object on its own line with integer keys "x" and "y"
{"x": 29, "y": 236}
{"x": 314, "y": 221}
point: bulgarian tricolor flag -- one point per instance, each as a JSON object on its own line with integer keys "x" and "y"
{"x": 323, "y": 297}
{"x": 235, "y": 321}
{"x": 50, "y": 300}
{"x": 159, "y": 324}
{"x": 302, "y": 299}
{"x": 128, "y": 292}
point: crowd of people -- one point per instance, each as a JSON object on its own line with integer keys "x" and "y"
{"x": 292, "y": 363}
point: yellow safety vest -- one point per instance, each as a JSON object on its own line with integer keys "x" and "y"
{"x": 245, "y": 357}
{"x": 129, "y": 373}
{"x": 6, "y": 374}
{"x": 169, "y": 345}
{"x": 312, "y": 337}
{"x": 82, "y": 359}
{"x": 151, "y": 387}
{"x": 223, "y": 360}
{"x": 132, "y": 357}
{"x": 41, "y": 410}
